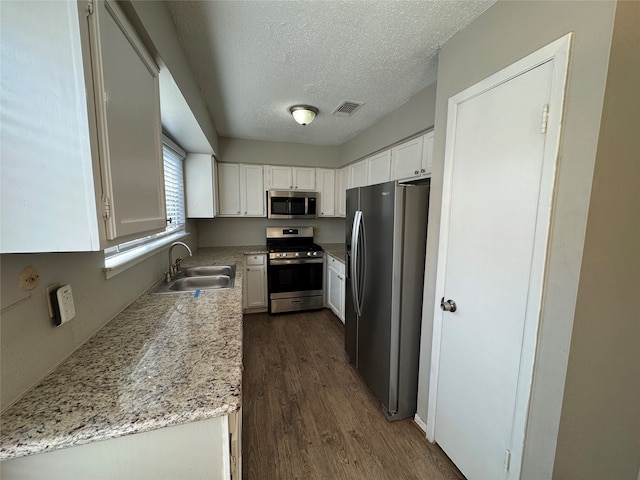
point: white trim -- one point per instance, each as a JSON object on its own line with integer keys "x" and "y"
{"x": 119, "y": 263}
{"x": 421, "y": 423}
{"x": 558, "y": 53}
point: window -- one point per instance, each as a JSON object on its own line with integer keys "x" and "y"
{"x": 121, "y": 256}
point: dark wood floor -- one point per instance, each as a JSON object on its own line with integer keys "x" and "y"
{"x": 308, "y": 415}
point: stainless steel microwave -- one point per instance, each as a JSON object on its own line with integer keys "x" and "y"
{"x": 292, "y": 204}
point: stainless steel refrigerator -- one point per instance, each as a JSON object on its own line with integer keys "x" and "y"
{"x": 386, "y": 228}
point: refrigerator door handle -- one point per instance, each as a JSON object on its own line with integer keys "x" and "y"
{"x": 355, "y": 236}
{"x": 362, "y": 259}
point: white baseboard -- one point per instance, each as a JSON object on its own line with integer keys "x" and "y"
{"x": 420, "y": 423}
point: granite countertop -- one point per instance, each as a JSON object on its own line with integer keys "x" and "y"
{"x": 336, "y": 250}
{"x": 165, "y": 360}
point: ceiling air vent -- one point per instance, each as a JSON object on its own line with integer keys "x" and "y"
{"x": 346, "y": 108}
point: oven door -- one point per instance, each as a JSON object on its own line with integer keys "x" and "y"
{"x": 301, "y": 277}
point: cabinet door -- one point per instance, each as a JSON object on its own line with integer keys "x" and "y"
{"x": 379, "y": 168}
{"x": 129, "y": 139}
{"x": 304, "y": 178}
{"x": 252, "y": 193}
{"x": 47, "y": 196}
{"x": 229, "y": 189}
{"x": 277, "y": 178}
{"x": 335, "y": 287}
{"x": 407, "y": 159}
{"x": 342, "y": 184}
{"x": 359, "y": 174}
{"x": 200, "y": 185}
{"x": 326, "y": 179}
{"x": 427, "y": 155}
{"x": 255, "y": 286}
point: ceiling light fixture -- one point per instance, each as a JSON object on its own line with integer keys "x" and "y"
{"x": 303, "y": 114}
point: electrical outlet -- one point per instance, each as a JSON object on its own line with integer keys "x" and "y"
{"x": 65, "y": 303}
{"x": 51, "y": 298}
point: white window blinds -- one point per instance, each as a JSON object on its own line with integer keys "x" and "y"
{"x": 174, "y": 187}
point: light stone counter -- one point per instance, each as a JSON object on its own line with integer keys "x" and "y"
{"x": 336, "y": 250}
{"x": 165, "y": 360}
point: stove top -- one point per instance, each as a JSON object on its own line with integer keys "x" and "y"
{"x": 292, "y": 242}
{"x": 308, "y": 247}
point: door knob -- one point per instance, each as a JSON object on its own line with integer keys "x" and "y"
{"x": 448, "y": 306}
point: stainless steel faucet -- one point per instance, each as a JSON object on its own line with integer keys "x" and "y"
{"x": 175, "y": 268}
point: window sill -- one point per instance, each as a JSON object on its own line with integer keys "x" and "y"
{"x": 119, "y": 263}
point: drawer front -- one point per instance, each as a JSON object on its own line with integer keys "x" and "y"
{"x": 255, "y": 259}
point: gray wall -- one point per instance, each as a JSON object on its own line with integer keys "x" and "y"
{"x": 30, "y": 343}
{"x": 502, "y": 35}
{"x": 235, "y": 150}
{"x": 600, "y": 424}
{"x": 251, "y": 231}
{"x": 153, "y": 22}
{"x": 416, "y": 115}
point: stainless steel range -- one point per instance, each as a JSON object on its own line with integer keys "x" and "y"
{"x": 294, "y": 270}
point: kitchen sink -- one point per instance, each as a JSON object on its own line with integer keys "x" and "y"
{"x": 209, "y": 270}
{"x": 209, "y": 277}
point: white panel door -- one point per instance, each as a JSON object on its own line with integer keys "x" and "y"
{"x": 229, "y": 189}
{"x": 493, "y": 238}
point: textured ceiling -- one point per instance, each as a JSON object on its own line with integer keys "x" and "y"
{"x": 254, "y": 59}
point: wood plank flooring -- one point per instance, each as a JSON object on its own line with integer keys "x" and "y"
{"x": 308, "y": 415}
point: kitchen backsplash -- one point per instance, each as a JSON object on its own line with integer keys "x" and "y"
{"x": 219, "y": 232}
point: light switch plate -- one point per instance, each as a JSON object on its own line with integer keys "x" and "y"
{"x": 65, "y": 303}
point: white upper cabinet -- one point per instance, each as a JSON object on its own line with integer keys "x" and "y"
{"x": 240, "y": 190}
{"x": 201, "y": 185}
{"x": 342, "y": 185}
{"x": 427, "y": 155}
{"x": 252, "y": 192}
{"x": 81, "y": 169}
{"x": 379, "y": 168}
{"x": 229, "y": 189}
{"x": 359, "y": 174}
{"x": 407, "y": 159}
{"x": 325, "y": 183}
{"x": 413, "y": 159}
{"x": 304, "y": 178}
{"x": 277, "y": 177}
{"x": 127, "y": 99}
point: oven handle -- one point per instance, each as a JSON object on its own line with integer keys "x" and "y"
{"x": 296, "y": 261}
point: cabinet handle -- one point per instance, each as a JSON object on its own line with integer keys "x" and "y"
{"x": 238, "y": 211}
{"x": 245, "y": 213}
{"x": 422, "y": 170}
{"x": 290, "y": 186}
{"x": 416, "y": 172}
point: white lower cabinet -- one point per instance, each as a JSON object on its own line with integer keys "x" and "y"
{"x": 255, "y": 282}
{"x": 335, "y": 287}
{"x": 205, "y": 449}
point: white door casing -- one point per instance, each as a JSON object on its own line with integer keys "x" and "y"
{"x": 498, "y": 185}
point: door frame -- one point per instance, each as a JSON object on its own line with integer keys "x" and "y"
{"x": 557, "y": 52}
